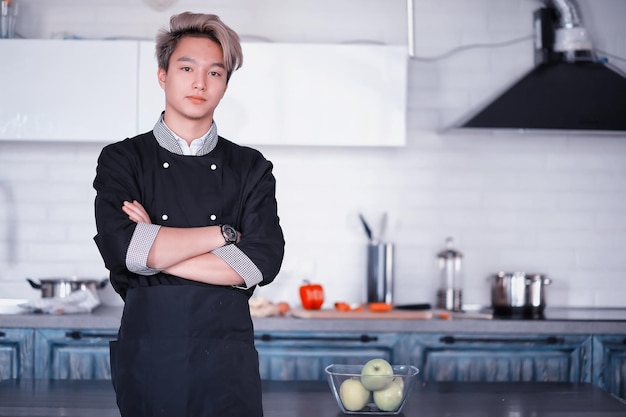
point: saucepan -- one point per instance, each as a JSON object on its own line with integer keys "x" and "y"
{"x": 518, "y": 293}
{"x": 63, "y": 287}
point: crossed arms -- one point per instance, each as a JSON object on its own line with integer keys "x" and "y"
{"x": 186, "y": 252}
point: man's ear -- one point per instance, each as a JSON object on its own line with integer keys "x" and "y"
{"x": 161, "y": 75}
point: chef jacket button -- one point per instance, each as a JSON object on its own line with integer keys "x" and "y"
{"x": 166, "y": 165}
{"x": 213, "y": 217}
{"x": 164, "y": 217}
{"x": 213, "y": 167}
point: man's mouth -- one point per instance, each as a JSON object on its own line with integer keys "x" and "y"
{"x": 196, "y": 99}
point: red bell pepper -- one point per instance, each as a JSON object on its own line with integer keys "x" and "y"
{"x": 311, "y": 296}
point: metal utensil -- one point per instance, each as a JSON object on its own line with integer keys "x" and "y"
{"x": 368, "y": 231}
{"x": 383, "y": 227}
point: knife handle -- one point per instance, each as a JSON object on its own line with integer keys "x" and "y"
{"x": 422, "y": 306}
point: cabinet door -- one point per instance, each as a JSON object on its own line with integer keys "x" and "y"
{"x": 304, "y": 356}
{"x": 70, "y": 90}
{"x": 609, "y": 364}
{"x": 500, "y": 358}
{"x": 150, "y": 98}
{"x": 302, "y": 94}
{"x": 67, "y": 354}
{"x": 16, "y": 353}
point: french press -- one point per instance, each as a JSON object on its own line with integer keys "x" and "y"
{"x": 449, "y": 294}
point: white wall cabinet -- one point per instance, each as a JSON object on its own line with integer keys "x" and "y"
{"x": 70, "y": 90}
{"x": 285, "y": 94}
{"x": 303, "y": 94}
{"x": 150, "y": 98}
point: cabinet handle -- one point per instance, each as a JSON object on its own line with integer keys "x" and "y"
{"x": 363, "y": 338}
{"x": 550, "y": 340}
{"x": 76, "y": 335}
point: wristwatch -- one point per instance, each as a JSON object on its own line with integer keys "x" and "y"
{"x": 229, "y": 233}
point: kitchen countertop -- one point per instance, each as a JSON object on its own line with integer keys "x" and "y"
{"x": 556, "y": 320}
{"x": 95, "y": 398}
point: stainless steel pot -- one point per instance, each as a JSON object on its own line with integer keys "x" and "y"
{"x": 518, "y": 293}
{"x": 63, "y": 287}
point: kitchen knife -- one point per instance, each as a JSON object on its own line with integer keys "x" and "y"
{"x": 422, "y": 306}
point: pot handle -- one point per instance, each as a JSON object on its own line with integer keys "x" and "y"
{"x": 103, "y": 283}
{"x": 34, "y": 284}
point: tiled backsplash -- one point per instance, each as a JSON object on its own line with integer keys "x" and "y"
{"x": 549, "y": 203}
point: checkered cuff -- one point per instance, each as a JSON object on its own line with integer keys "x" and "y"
{"x": 139, "y": 248}
{"x": 240, "y": 262}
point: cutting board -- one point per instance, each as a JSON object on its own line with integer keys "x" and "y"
{"x": 365, "y": 314}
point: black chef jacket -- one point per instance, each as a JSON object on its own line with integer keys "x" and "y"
{"x": 186, "y": 348}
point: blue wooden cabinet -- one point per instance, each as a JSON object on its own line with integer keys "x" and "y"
{"x": 439, "y": 357}
{"x": 68, "y": 354}
{"x": 609, "y": 363}
{"x": 16, "y": 353}
{"x": 498, "y": 358}
{"x": 293, "y": 355}
{"x": 73, "y": 354}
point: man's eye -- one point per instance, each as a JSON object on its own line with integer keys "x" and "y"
{"x": 187, "y": 69}
{"x": 214, "y": 74}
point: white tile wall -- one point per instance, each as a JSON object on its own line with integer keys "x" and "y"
{"x": 554, "y": 203}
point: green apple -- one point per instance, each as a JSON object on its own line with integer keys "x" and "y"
{"x": 389, "y": 399}
{"x": 353, "y": 395}
{"x": 398, "y": 380}
{"x": 376, "y": 374}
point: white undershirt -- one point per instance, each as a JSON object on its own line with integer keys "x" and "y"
{"x": 193, "y": 147}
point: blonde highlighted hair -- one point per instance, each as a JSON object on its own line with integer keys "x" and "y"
{"x": 202, "y": 26}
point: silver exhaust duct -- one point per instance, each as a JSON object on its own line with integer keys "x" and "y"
{"x": 569, "y": 89}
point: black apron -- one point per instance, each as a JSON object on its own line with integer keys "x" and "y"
{"x": 186, "y": 351}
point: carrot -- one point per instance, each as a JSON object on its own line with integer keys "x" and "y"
{"x": 444, "y": 315}
{"x": 379, "y": 307}
{"x": 341, "y": 306}
{"x": 283, "y": 307}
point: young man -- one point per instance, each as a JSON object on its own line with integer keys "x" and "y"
{"x": 187, "y": 225}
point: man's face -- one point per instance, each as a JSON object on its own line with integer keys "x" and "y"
{"x": 195, "y": 81}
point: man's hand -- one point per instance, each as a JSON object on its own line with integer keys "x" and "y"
{"x": 136, "y": 212}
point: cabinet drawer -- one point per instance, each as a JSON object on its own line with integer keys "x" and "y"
{"x": 304, "y": 356}
{"x": 67, "y": 354}
{"x": 502, "y": 358}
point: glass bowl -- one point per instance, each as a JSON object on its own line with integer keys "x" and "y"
{"x": 390, "y": 402}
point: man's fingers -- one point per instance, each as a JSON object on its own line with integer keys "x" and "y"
{"x": 135, "y": 212}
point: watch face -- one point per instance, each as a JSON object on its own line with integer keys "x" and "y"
{"x": 230, "y": 234}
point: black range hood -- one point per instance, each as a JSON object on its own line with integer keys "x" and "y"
{"x": 568, "y": 89}
{"x": 561, "y": 96}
